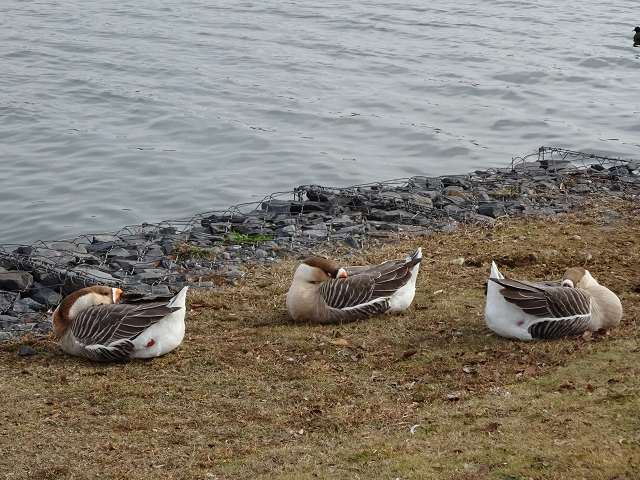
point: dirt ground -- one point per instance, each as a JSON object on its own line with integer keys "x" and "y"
{"x": 431, "y": 393}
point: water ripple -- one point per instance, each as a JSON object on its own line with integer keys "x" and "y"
{"x": 112, "y": 115}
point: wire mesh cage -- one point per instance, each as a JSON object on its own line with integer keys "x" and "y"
{"x": 211, "y": 247}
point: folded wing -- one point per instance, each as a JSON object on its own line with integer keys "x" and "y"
{"x": 563, "y": 311}
{"x": 107, "y": 331}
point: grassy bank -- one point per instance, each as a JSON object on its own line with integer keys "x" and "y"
{"x": 427, "y": 394}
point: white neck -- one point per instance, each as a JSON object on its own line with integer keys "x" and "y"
{"x": 85, "y": 301}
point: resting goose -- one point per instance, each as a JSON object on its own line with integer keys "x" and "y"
{"x": 322, "y": 292}
{"x": 528, "y": 311}
{"x": 92, "y": 323}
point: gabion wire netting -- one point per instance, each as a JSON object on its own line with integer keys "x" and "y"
{"x": 209, "y": 248}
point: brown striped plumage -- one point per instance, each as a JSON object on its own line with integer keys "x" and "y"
{"x": 323, "y": 293}
{"x": 546, "y": 310}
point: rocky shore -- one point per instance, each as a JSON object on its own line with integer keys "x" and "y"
{"x": 212, "y": 248}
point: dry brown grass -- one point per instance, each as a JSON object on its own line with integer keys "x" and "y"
{"x": 249, "y": 395}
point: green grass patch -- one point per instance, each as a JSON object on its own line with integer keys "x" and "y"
{"x": 251, "y": 238}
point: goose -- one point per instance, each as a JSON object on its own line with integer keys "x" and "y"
{"x": 92, "y": 323}
{"x": 323, "y": 292}
{"x": 528, "y": 311}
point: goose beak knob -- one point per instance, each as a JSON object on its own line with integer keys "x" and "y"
{"x": 117, "y": 295}
{"x": 342, "y": 273}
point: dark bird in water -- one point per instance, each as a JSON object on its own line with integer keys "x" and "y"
{"x": 636, "y": 37}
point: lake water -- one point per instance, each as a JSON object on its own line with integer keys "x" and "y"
{"x": 114, "y": 113}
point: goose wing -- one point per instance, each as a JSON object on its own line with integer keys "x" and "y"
{"x": 368, "y": 284}
{"x": 563, "y": 311}
{"x": 107, "y": 331}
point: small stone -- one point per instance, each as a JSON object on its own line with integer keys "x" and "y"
{"x": 6, "y": 300}
{"x": 121, "y": 252}
{"x": 150, "y": 275}
{"x": 458, "y": 181}
{"x": 452, "y": 209}
{"x": 457, "y": 261}
{"x": 46, "y": 296}
{"x": 491, "y": 209}
{"x": 259, "y": 253}
{"x": 352, "y": 242}
{"x": 104, "y": 239}
{"x": 26, "y": 351}
{"x": 581, "y": 188}
{"x": 27, "y": 305}
{"x": 94, "y": 274}
{"x": 6, "y": 320}
{"x": 67, "y": 247}
{"x": 453, "y": 191}
{"x": 15, "y": 281}
{"x": 287, "y": 231}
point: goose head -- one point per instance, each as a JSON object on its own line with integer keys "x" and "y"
{"x": 578, "y": 277}
{"x": 316, "y": 270}
{"x": 79, "y": 301}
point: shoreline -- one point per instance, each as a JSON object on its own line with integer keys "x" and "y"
{"x": 428, "y": 393}
{"x": 214, "y": 248}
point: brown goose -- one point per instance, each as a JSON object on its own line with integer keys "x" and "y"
{"x": 92, "y": 323}
{"x": 528, "y": 311}
{"x": 322, "y": 292}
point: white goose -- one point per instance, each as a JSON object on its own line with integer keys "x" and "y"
{"x": 321, "y": 292}
{"x": 528, "y": 311}
{"x": 92, "y": 323}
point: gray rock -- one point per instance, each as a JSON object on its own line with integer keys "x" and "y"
{"x": 491, "y": 209}
{"x": 456, "y": 200}
{"x": 427, "y": 183}
{"x": 352, "y": 241}
{"x": 67, "y": 247}
{"x": 7, "y": 320}
{"x": 633, "y": 165}
{"x": 315, "y": 234}
{"x": 26, "y": 351}
{"x": 360, "y": 228}
{"x": 483, "y": 196}
{"x": 423, "y": 201}
{"x": 100, "y": 247}
{"x": 121, "y": 252}
{"x": 218, "y": 228}
{"x": 456, "y": 180}
{"x": 50, "y": 279}
{"x": 124, "y": 263}
{"x": 286, "y": 231}
{"x": 452, "y": 190}
{"x": 15, "y": 281}
{"x": 452, "y": 209}
{"x": 259, "y": 253}
{"x": 94, "y": 274}
{"x": 5, "y": 336}
{"x": 27, "y": 305}
{"x": 104, "y": 239}
{"x": 46, "y": 296}
{"x": 432, "y": 194}
{"x": 389, "y": 215}
{"x": 23, "y": 250}
{"x": 582, "y": 188}
{"x": 150, "y": 275}
{"x": 481, "y": 219}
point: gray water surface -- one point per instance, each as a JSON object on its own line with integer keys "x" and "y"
{"x": 114, "y": 113}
